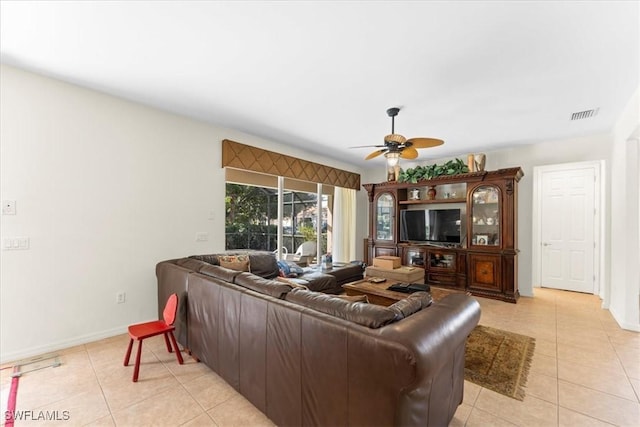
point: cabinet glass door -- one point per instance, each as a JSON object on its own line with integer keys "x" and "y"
{"x": 385, "y": 206}
{"x": 446, "y": 261}
{"x": 485, "y": 216}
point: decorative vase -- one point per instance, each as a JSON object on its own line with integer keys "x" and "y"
{"x": 431, "y": 193}
{"x": 471, "y": 163}
{"x": 480, "y": 159}
{"x": 414, "y": 194}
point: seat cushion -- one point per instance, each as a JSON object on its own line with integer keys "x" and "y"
{"x": 346, "y": 273}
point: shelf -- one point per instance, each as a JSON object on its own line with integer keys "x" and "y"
{"x": 424, "y": 202}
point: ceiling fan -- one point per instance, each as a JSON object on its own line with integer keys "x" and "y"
{"x": 397, "y": 146}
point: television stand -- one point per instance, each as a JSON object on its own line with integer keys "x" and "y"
{"x": 443, "y": 265}
{"x": 486, "y": 261}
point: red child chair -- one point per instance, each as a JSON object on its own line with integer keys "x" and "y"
{"x": 150, "y": 329}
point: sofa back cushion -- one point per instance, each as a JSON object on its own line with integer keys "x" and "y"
{"x": 260, "y": 284}
{"x": 264, "y": 264}
{"x": 369, "y": 315}
{"x": 219, "y": 272}
{"x": 191, "y": 264}
{"x": 261, "y": 263}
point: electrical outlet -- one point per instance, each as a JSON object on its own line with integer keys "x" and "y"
{"x": 8, "y": 207}
{"x": 121, "y": 297}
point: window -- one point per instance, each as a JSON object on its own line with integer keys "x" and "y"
{"x": 252, "y": 213}
{"x": 251, "y": 217}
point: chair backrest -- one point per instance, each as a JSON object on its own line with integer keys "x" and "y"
{"x": 307, "y": 249}
{"x": 170, "y": 309}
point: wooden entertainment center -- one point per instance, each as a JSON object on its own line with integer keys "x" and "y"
{"x": 485, "y": 261}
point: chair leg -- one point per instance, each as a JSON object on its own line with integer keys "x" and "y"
{"x": 128, "y": 355}
{"x": 166, "y": 341}
{"x": 136, "y": 370}
{"x": 175, "y": 345}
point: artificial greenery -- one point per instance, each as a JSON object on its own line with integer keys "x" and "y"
{"x": 419, "y": 173}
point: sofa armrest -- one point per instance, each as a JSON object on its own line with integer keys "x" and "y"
{"x": 436, "y": 336}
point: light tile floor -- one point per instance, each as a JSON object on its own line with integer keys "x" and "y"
{"x": 585, "y": 372}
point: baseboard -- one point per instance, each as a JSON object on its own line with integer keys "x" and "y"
{"x": 625, "y": 325}
{"x": 60, "y": 345}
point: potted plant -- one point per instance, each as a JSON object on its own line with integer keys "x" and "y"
{"x": 419, "y": 173}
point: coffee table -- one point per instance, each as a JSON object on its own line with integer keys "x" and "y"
{"x": 377, "y": 293}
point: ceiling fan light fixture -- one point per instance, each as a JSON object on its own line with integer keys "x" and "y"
{"x": 393, "y": 157}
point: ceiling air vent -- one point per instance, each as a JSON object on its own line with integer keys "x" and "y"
{"x": 586, "y": 114}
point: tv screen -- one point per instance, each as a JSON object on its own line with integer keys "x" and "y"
{"x": 430, "y": 225}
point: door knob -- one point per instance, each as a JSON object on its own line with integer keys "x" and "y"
{"x": 546, "y": 244}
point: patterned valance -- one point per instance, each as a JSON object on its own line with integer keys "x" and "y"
{"x": 241, "y": 156}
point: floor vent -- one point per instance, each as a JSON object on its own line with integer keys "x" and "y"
{"x": 584, "y": 114}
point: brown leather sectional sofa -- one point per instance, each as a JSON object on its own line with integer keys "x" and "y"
{"x": 308, "y": 358}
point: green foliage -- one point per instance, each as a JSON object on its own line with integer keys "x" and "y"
{"x": 247, "y": 204}
{"x": 419, "y": 173}
{"x": 308, "y": 233}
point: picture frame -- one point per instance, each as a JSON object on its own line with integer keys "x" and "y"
{"x": 482, "y": 239}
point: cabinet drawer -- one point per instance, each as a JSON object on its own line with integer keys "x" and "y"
{"x": 445, "y": 279}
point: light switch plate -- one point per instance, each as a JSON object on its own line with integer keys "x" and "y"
{"x": 15, "y": 243}
{"x": 202, "y": 236}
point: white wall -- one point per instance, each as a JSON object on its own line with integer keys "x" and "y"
{"x": 625, "y": 233}
{"x": 105, "y": 189}
{"x": 595, "y": 147}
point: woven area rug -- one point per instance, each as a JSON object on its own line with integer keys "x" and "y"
{"x": 498, "y": 360}
{"x": 438, "y": 293}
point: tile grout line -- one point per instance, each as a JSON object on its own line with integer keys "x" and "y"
{"x": 205, "y": 410}
{"x": 106, "y": 401}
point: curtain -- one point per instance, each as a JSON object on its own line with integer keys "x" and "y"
{"x": 344, "y": 224}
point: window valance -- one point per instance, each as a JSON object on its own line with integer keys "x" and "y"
{"x": 241, "y": 156}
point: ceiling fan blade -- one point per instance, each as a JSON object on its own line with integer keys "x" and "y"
{"x": 375, "y": 154}
{"x": 423, "y": 142}
{"x": 409, "y": 153}
{"x": 366, "y": 146}
{"x": 395, "y": 138}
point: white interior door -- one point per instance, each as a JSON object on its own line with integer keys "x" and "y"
{"x": 567, "y": 229}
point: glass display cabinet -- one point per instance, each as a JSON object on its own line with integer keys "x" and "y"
{"x": 485, "y": 216}
{"x": 385, "y": 217}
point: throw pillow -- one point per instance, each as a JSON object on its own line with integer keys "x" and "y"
{"x": 285, "y": 271}
{"x": 234, "y": 262}
{"x": 295, "y": 268}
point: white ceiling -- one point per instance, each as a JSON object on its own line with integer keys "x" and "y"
{"x": 321, "y": 74}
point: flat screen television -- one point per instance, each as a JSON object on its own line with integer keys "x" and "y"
{"x": 430, "y": 225}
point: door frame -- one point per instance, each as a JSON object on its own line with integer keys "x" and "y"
{"x": 599, "y": 232}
